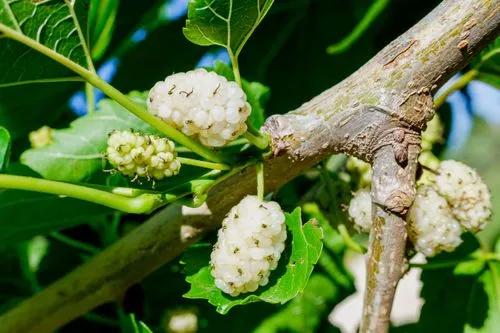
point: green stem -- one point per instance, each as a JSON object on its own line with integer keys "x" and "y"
{"x": 457, "y": 85}
{"x": 236, "y": 67}
{"x": 74, "y": 243}
{"x": 89, "y": 93}
{"x": 259, "y": 170}
{"x": 115, "y": 94}
{"x": 349, "y": 242}
{"x": 141, "y": 204}
{"x": 203, "y": 164}
{"x": 371, "y": 15}
{"x": 261, "y": 141}
{"x": 28, "y": 272}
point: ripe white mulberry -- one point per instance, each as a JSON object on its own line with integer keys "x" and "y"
{"x": 249, "y": 245}
{"x": 431, "y": 225}
{"x": 467, "y": 194}
{"x": 201, "y": 104}
{"x": 360, "y": 210}
{"x": 181, "y": 320}
{"x": 137, "y": 155}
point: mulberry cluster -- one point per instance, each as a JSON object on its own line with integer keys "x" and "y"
{"x": 201, "y": 104}
{"x": 360, "y": 210}
{"x": 454, "y": 200}
{"x": 249, "y": 246}
{"x": 137, "y": 155}
{"x": 431, "y": 225}
{"x": 466, "y": 193}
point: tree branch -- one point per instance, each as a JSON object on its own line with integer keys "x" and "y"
{"x": 393, "y": 90}
{"x": 393, "y": 190}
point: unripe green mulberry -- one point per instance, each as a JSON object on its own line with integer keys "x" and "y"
{"x": 137, "y": 155}
{"x": 41, "y": 137}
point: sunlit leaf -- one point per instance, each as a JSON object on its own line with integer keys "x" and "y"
{"x": 227, "y": 23}
{"x": 102, "y": 17}
{"x": 58, "y": 25}
{"x": 77, "y": 152}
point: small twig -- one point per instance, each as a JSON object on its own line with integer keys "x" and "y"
{"x": 259, "y": 170}
{"x": 349, "y": 242}
{"x": 457, "y": 85}
{"x": 75, "y": 243}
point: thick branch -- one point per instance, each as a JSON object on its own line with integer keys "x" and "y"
{"x": 394, "y": 87}
{"x": 393, "y": 190}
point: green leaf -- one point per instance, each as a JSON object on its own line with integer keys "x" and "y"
{"x": 484, "y": 303}
{"x": 77, "y": 152}
{"x": 227, "y": 23}
{"x": 469, "y": 267}
{"x": 26, "y": 214}
{"x": 306, "y": 311}
{"x": 102, "y": 17}
{"x": 465, "y": 303}
{"x": 286, "y": 282}
{"x": 257, "y": 94}
{"x": 53, "y": 24}
{"x": 488, "y": 64}
{"x": 4, "y": 148}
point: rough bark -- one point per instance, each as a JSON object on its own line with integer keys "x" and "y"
{"x": 357, "y": 116}
{"x": 393, "y": 190}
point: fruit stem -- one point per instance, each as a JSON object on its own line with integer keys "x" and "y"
{"x": 74, "y": 243}
{"x": 457, "y": 85}
{"x": 349, "y": 242}
{"x": 141, "y": 204}
{"x": 260, "y": 141}
{"x": 236, "y": 67}
{"x": 259, "y": 169}
{"x": 203, "y": 164}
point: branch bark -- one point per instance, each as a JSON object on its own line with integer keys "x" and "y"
{"x": 392, "y": 91}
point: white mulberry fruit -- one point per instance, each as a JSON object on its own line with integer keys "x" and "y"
{"x": 360, "y": 210}
{"x": 431, "y": 225}
{"x": 468, "y": 196}
{"x": 137, "y": 155}
{"x": 201, "y": 104}
{"x": 249, "y": 246}
{"x": 181, "y": 320}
